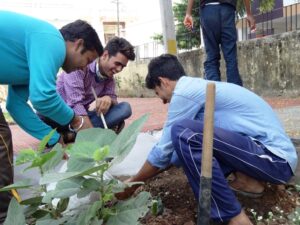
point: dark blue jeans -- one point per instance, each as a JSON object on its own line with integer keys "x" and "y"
{"x": 116, "y": 114}
{"x": 113, "y": 117}
{"x": 218, "y": 25}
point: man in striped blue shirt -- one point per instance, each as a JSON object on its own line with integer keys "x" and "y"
{"x": 249, "y": 140}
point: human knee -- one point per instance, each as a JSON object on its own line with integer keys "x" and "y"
{"x": 126, "y": 109}
{"x": 177, "y": 129}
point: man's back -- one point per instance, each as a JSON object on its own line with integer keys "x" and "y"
{"x": 237, "y": 109}
{"x": 18, "y": 34}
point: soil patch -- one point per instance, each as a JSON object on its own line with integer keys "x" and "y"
{"x": 180, "y": 207}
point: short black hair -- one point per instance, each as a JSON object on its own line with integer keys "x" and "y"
{"x": 80, "y": 29}
{"x": 165, "y": 65}
{"x": 118, "y": 44}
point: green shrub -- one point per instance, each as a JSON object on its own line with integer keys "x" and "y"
{"x": 94, "y": 151}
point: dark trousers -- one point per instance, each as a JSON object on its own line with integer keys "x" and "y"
{"x": 231, "y": 152}
{"x": 218, "y": 26}
{"x": 6, "y": 165}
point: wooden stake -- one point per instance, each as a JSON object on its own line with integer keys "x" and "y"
{"x": 204, "y": 204}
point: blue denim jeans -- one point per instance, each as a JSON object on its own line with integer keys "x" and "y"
{"x": 218, "y": 25}
{"x": 115, "y": 115}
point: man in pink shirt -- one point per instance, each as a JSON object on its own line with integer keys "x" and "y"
{"x": 76, "y": 89}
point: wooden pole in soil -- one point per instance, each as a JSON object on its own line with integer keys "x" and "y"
{"x": 204, "y": 203}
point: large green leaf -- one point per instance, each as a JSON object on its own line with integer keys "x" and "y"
{"x": 30, "y": 210}
{"x": 18, "y": 185}
{"x": 75, "y": 182}
{"x": 67, "y": 188}
{"x": 101, "y": 153}
{"x": 128, "y": 212}
{"x": 83, "y": 149}
{"x": 96, "y": 222}
{"x": 79, "y": 164}
{"x": 91, "y": 213}
{"x": 15, "y": 214}
{"x": 125, "y": 141}
{"x": 91, "y": 184}
{"x": 40, "y": 160}
{"x": 32, "y": 201}
{"x": 99, "y": 136}
{"x": 88, "y": 186}
{"x": 55, "y": 177}
{"x": 50, "y": 221}
{"x": 40, "y": 213}
{"x": 48, "y": 197}
{"x": 45, "y": 140}
{"x": 51, "y": 163}
{"x": 26, "y": 155}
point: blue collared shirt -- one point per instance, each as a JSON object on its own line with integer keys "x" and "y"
{"x": 236, "y": 109}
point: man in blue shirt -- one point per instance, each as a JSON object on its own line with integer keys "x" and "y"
{"x": 249, "y": 140}
{"x": 31, "y": 52}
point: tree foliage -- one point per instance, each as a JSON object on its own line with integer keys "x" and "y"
{"x": 186, "y": 39}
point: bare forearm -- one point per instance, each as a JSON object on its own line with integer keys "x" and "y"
{"x": 247, "y": 7}
{"x": 114, "y": 101}
{"x": 146, "y": 172}
{"x": 81, "y": 122}
{"x": 189, "y": 7}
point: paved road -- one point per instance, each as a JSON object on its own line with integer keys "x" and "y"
{"x": 288, "y": 111}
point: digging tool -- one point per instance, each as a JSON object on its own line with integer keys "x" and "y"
{"x": 101, "y": 114}
{"x": 204, "y": 204}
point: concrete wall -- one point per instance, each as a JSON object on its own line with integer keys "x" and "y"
{"x": 269, "y": 66}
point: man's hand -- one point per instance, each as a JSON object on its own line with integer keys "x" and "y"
{"x": 61, "y": 141}
{"x": 102, "y": 105}
{"x": 251, "y": 22}
{"x": 188, "y": 21}
{"x": 147, "y": 171}
{"x": 128, "y": 192}
{"x": 80, "y": 123}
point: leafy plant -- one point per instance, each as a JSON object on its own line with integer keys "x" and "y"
{"x": 187, "y": 39}
{"x": 94, "y": 151}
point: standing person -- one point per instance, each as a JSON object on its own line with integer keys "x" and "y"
{"x": 31, "y": 52}
{"x": 217, "y": 19}
{"x": 249, "y": 140}
{"x": 76, "y": 89}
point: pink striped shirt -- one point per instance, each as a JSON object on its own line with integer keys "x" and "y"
{"x": 75, "y": 88}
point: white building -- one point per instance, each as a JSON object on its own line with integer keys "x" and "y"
{"x": 138, "y": 20}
